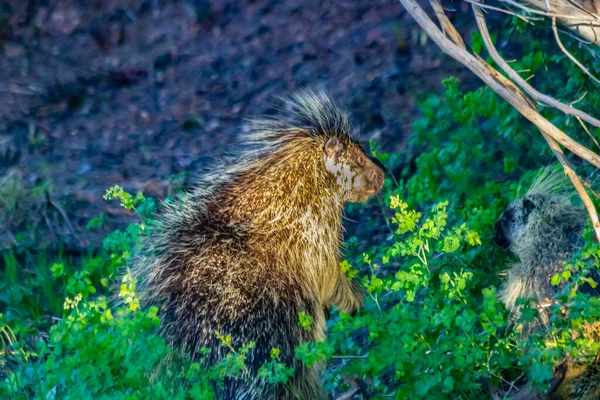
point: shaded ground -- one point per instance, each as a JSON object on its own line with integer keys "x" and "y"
{"x": 140, "y": 93}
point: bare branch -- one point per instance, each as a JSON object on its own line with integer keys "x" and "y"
{"x": 575, "y": 37}
{"x": 354, "y": 389}
{"x": 588, "y": 132}
{"x": 584, "y": 23}
{"x": 579, "y": 7}
{"x": 505, "y": 11}
{"x": 349, "y": 357}
{"x": 585, "y": 197}
{"x": 350, "y": 393}
{"x": 571, "y": 57}
{"x": 485, "y": 34}
{"x": 515, "y": 97}
{"x": 446, "y": 24}
{"x": 498, "y": 83}
{"x": 550, "y": 13}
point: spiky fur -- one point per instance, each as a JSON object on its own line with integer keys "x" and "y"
{"x": 581, "y": 382}
{"x": 255, "y": 244}
{"x": 543, "y": 231}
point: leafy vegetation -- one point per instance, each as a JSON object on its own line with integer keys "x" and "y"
{"x": 432, "y": 326}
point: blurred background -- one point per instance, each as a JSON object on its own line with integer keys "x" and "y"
{"x": 142, "y": 93}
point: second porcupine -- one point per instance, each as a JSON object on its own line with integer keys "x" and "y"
{"x": 258, "y": 242}
{"x": 544, "y": 229}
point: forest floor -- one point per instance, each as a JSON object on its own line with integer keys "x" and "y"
{"x": 143, "y": 93}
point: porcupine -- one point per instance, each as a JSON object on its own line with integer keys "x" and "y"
{"x": 258, "y": 242}
{"x": 544, "y": 229}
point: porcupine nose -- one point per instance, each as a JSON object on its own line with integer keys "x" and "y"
{"x": 377, "y": 174}
{"x": 376, "y": 178}
{"x": 499, "y": 236}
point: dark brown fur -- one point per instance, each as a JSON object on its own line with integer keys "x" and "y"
{"x": 257, "y": 243}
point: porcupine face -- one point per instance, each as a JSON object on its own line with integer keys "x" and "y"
{"x": 358, "y": 176}
{"x": 513, "y": 221}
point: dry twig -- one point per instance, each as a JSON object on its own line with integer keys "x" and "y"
{"x": 349, "y": 393}
{"x": 512, "y": 74}
{"x": 584, "y": 24}
{"x": 588, "y": 132}
{"x": 580, "y": 21}
{"x": 481, "y": 24}
{"x": 446, "y": 24}
{"x": 510, "y": 92}
{"x": 567, "y": 53}
{"x": 356, "y": 385}
{"x": 504, "y": 10}
{"x": 547, "y": 13}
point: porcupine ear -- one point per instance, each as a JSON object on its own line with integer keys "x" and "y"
{"x": 333, "y": 148}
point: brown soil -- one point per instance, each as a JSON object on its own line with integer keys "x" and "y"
{"x": 142, "y": 93}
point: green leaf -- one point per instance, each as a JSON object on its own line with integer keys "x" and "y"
{"x": 451, "y": 244}
{"x": 57, "y": 269}
{"x": 305, "y": 321}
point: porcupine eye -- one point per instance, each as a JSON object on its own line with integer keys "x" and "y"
{"x": 360, "y": 161}
{"x": 528, "y": 207}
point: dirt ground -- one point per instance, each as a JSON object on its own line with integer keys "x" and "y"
{"x": 143, "y": 93}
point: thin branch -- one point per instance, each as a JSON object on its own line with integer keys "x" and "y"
{"x": 505, "y": 11}
{"x": 349, "y": 357}
{"x": 579, "y": 99}
{"x": 354, "y": 389}
{"x": 583, "y": 23}
{"x": 580, "y": 8}
{"x": 350, "y": 393}
{"x": 575, "y": 37}
{"x": 511, "y": 385}
{"x": 522, "y": 83}
{"x": 571, "y": 57}
{"x": 498, "y": 83}
{"x": 556, "y": 149}
{"x": 446, "y": 24}
{"x": 585, "y": 128}
{"x": 585, "y": 197}
{"x": 549, "y": 13}
{"x": 515, "y": 97}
